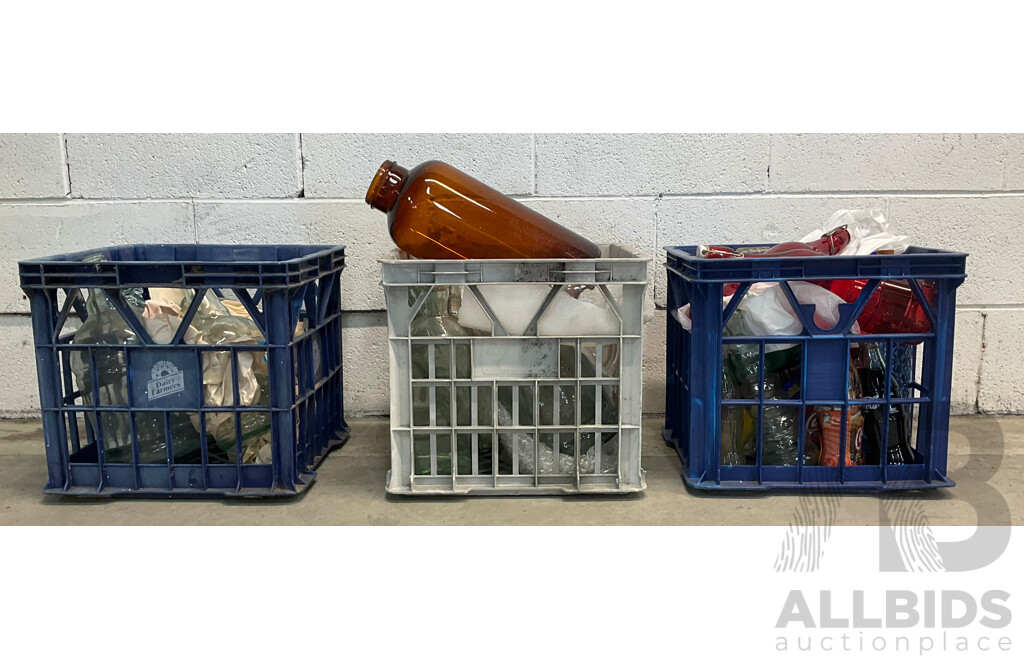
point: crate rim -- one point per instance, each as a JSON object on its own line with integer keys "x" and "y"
{"x": 69, "y": 258}
{"x": 683, "y": 261}
{"x": 680, "y": 252}
{"x": 638, "y": 256}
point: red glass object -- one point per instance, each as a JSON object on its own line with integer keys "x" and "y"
{"x": 829, "y": 244}
{"x": 892, "y": 308}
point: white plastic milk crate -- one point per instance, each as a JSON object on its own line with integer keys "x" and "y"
{"x": 516, "y": 377}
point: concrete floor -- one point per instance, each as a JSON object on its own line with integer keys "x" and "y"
{"x": 350, "y": 490}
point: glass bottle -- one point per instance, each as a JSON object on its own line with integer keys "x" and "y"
{"x": 780, "y": 423}
{"x": 830, "y": 420}
{"x": 892, "y": 308}
{"x": 436, "y": 211}
{"x": 104, "y": 326}
{"x": 831, "y": 243}
{"x": 871, "y": 371}
{"x": 217, "y": 325}
{"x": 436, "y": 319}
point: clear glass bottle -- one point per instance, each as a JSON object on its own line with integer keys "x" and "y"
{"x": 780, "y": 423}
{"x": 104, "y": 326}
{"x": 436, "y": 319}
{"x": 217, "y": 325}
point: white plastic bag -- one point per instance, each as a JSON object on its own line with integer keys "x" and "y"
{"x": 768, "y": 312}
{"x": 869, "y": 232}
{"x": 826, "y": 304}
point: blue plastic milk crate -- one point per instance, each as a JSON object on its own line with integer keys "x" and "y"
{"x": 248, "y": 416}
{"x": 921, "y": 363}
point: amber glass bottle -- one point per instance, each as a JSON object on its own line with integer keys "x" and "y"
{"x": 438, "y": 212}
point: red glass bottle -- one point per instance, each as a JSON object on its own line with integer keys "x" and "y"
{"x": 829, "y": 244}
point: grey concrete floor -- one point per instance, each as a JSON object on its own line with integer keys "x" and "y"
{"x": 986, "y": 460}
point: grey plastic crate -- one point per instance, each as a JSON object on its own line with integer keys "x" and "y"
{"x": 532, "y": 406}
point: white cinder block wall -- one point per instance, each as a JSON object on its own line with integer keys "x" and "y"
{"x": 62, "y": 192}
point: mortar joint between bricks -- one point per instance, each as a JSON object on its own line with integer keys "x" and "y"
{"x": 981, "y": 361}
{"x": 302, "y": 170}
{"x": 67, "y": 163}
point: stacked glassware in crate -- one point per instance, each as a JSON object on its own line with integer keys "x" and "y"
{"x": 802, "y": 365}
{"x": 516, "y": 376}
{"x": 515, "y": 343}
{"x": 188, "y": 369}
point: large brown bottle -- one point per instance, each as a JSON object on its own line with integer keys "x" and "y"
{"x": 438, "y": 212}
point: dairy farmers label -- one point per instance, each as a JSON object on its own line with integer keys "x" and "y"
{"x": 167, "y": 379}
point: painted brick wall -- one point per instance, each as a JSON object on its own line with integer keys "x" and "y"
{"x": 60, "y": 192}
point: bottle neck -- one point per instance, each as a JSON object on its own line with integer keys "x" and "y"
{"x": 833, "y": 242}
{"x": 386, "y": 186}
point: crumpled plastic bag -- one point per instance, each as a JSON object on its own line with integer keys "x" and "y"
{"x": 768, "y": 312}
{"x": 869, "y": 232}
{"x": 546, "y": 456}
{"x": 523, "y": 444}
{"x": 566, "y": 460}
